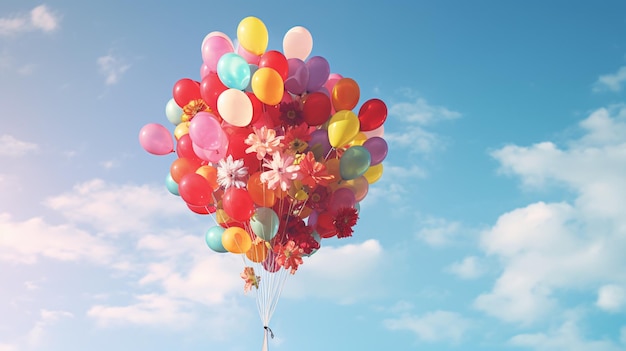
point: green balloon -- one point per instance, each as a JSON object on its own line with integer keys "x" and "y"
{"x": 264, "y": 223}
{"x": 354, "y": 162}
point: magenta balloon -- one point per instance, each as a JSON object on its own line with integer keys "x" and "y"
{"x": 298, "y": 76}
{"x": 156, "y": 139}
{"x": 205, "y": 131}
{"x": 342, "y": 197}
{"x": 378, "y": 148}
{"x": 319, "y": 70}
{"x": 212, "y": 50}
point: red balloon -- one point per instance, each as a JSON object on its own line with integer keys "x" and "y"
{"x": 237, "y": 203}
{"x": 276, "y": 60}
{"x": 211, "y": 88}
{"x": 237, "y": 148}
{"x": 372, "y": 114}
{"x": 325, "y": 225}
{"x": 316, "y": 108}
{"x": 203, "y": 210}
{"x": 184, "y": 149}
{"x": 195, "y": 190}
{"x": 186, "y": 90}
{"x": 257, "y": 107}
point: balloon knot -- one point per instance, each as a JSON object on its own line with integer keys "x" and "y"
{"x": 269, "y": 330}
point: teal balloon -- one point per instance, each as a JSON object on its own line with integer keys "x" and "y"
{"x": 354, "y": 162}
{"x": 253, "y": 68}
{"x": 234, "y": 71}
{"x": 213, "y": 238}
{"x": 264, "y": 223}
{"x": 173, "y": 112}
{"x": 171, "y": 185}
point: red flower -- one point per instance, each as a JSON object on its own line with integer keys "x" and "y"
{"x": 289, "y": 256}
{"x": 313, "y": 172}
{"x": 345, "y": 219}
{"x": 318, "y": 199}
{"x": 291, "y": 113}
{"x": 296, "y": 138}
{"x": 301, "y": 234}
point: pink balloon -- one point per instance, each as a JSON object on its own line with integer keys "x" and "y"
{"x": 319, "y": 71}
{"x": 204, "y": 70}
{"x": 213, "y": 48}
{"x": 342, "y": 197}
{"x": 213, "y": 155}
{"x": 248, "y": 56}
{"x": 205, "y": 130}
{"x": 156, "y": 139}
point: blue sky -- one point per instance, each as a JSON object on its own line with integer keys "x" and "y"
{"x": 498, "y": 224}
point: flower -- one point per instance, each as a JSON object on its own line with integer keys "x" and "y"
{"x": 313, "y": 172}
{"x": 289, "y": 256}
{"x": 318, "y": 199}
{"x": 281, "y": 171}
{"x": 296, "y": 138}
{"x": 291, "y": 113}
{"x": 301, "y": 234}
{"x": 193, "y": 107}
{"x": 345, "y": 219}
{"x": 250, "y": 278}
{"x": 263, "y": 141}
{"x": 231, "y": 173}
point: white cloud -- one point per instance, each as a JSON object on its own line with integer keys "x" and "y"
{"x": 413, "y": 116}
{"x": 47, "y": 318}
{"x": 39, "y": 18}
{"x": 112, "y": 67}
{"x": 11, "y": 146}
{"x": 8, "y": 347}
{"x": 433, "y": 326}
{"x": 115, "y": 209}
{"x": 343, "y": 274}
{"x": 470, "y": 268}
{"x": 27, "y": 241}
{"x": 547, "y": 248}
{"x": 150, "y": 309}
{"x": 438, "y": 231}
{"x": 611, "y": 82}
{"x": 567, "y": 337}
{"x": 611, "y": 298}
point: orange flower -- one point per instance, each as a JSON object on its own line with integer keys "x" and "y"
{"x": 250, "y": 278}
{"x": 313, "y": 172}
{"x": 193, "y": 107}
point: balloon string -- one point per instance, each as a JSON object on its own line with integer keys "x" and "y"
{"x": 267, "y": 329}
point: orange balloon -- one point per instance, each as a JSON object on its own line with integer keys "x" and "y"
{"x": 210, "y": 174}
{"x": 258, "y": 252}
{"x": 305, "y": 212}
{"x": 259, "y": 192}
{"x": 180, "y": 167}
{"x": 332, "y": 167}
{"x": 236, "y": 240}
{"x": 268, "y": 85}
{"x": 345, "y": 94}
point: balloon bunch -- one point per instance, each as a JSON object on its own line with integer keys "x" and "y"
{"x": 268, "y": 143}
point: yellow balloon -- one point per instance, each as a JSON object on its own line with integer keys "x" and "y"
{"x": 181, "y": 129}
{"x": 343, "y": 127}
{"x": 268, "y": 86}
{"x": 236, "y": 240}
{"x": 252, "y": 35}
{"x": 374, "y": 173}
{"x": 359, "y": 139}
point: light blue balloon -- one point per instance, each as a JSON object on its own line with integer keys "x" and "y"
{"x": 354, "y": 162}
{"x": 234, "y": 71}
{"x": 264, "y": 223}
{"x": 317, "y": 238}
{"x": 171, "y": 185}
{"x": 173, "y": 112}
{"x": 213, "y": 238}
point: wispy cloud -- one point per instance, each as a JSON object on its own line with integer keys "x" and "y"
{"x": 112, "y": 68}
{"x": 611, "y": 82}
{"x": 437, "y": 326}
{"x": 11, "y": 146}
{"x": 612, "y": 298}
{"x": 40, "y": 18}
{"x": 47, "y": 318}
{"x": 470, "y": 267}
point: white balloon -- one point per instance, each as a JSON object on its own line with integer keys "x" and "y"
{"x": 297, "y": 43}
{"x": 235, "y": 107}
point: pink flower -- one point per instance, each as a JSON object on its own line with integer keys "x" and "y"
{"x": 313, "y": 172}
{"x": 281, "y": 171}
{"x": 263, "y": 141}
{"x": 250, "y": 278}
